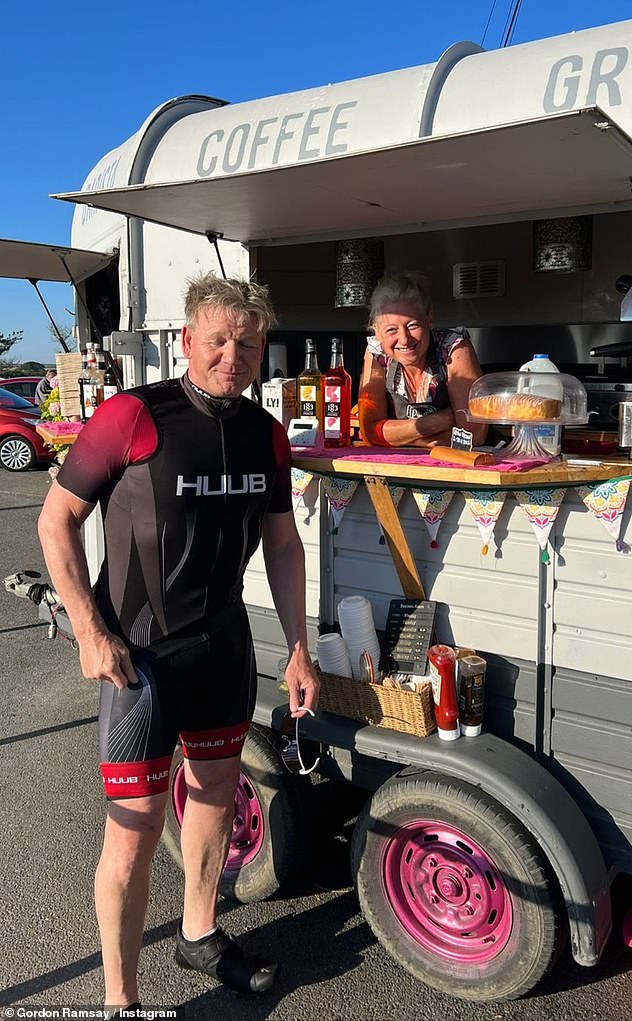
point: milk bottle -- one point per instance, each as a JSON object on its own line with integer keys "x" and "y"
{"x": 550, "y": 436}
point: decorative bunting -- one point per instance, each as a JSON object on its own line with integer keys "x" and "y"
{"x": 541, "y": 507}
{"x": 485, "y": 505}
{"x": 339, "y": 493}
{"x": 432, "y": 505}
{"x": 300, "y": 481}
{"x": 396, "y": 492}
{"x": 606, "y": 500}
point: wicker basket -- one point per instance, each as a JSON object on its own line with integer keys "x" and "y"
{"x": 68, "y": 371}
{"x": 410, "y": 712}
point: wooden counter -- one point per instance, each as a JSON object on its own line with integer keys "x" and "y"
{"x": 558, "y": 473}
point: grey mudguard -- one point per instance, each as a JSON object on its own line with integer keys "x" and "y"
{"x": 514, "y": 779}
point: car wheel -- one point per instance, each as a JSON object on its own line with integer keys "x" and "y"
{"x": 455, "y": 889}
{"x": 270, "y": 841}
{"x": 17, "y": 454}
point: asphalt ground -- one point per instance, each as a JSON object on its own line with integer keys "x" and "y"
{"x": 51, "y": 818}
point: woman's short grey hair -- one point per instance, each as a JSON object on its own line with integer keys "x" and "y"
{"x": 400, "y": 287}
{"x": 240, "y": 298}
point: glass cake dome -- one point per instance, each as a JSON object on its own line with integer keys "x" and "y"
{"x": 532, "y": 397}
{"x": 527, "y": 400}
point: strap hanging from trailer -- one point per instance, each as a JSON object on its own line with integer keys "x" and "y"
{"x": 214, "y": 239}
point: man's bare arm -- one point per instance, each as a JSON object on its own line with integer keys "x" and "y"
{"x": 103, "y": 655}
{"x": 285, "y": 566}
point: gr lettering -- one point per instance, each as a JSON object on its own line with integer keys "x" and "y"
{"x": 568, "y": 74}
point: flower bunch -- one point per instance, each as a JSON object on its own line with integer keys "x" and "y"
{"x": 50, "y": 409}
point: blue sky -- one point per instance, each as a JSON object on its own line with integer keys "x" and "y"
{"x": 79, "y": 78}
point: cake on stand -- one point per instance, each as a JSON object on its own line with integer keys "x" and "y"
{"x": 527, "y": 401}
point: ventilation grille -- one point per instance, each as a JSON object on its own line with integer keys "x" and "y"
{"x": 478, "y": 279}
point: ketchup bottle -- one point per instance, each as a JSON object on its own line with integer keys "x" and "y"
{"x": 443, "y": 674}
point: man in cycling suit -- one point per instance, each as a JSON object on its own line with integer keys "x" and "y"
{"x": 189, "y": 475}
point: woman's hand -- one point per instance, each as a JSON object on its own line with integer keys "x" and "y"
{"x": 463, "y": 369}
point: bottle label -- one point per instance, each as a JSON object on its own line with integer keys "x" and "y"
{"x": 435, "y": 678}
{"x": 471, "y": 697}
{"x": 333, "y": 401}
{"x": 308, "y": 401}
{"x": 550, "y": 436}
{"x": 109, "y": 390}
{"x": 89, "y": 399}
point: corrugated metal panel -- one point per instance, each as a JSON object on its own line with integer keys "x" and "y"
{"x": 269, "y": 641}
{"x": 486, "y": 602}
{"x": 593, "y": 595}
{"x": 591, "y": 742}
{"x": 256, "y": 588}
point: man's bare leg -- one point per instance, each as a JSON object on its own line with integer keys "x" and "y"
{"x": 132, "y": 832}
{"x": 205, "y": 839}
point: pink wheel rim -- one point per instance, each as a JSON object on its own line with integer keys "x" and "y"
{"x": 446, "y": 892}
{"x": 248, "y": 829}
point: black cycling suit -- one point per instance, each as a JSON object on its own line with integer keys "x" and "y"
{"x": 184, "y": 482}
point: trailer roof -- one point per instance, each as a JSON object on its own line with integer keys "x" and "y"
{"x": 554, "y": 165}
{"x": 26, "y": 260}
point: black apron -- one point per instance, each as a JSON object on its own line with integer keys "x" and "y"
{"x": 399, "y": 406}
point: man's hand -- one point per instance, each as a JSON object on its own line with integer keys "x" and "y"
{"x": 104, "y": 657}
{"x": 303, "y": 684}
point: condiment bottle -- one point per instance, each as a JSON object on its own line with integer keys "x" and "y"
{"x": 309, "y": 387}
{"x": 99, "y": 375}
{"x": 88, "y": 383}
{"x": 461, "y": 652}
{"x": 471, "y": 694}
{"x": 337, "y": 403}
{"x": 84, "y": 382}
{"x": 442, "y": 672}
{"x": 110, "y": 386}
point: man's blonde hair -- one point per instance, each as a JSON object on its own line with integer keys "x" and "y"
{"x": 240, "y": 298}
{"x": 409, "y": 287}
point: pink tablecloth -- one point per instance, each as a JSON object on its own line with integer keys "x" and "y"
{"x": 403, "y": 456}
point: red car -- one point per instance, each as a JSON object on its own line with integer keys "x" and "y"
{"x": 20, "y": 446}
{"x": 22, "y": 386}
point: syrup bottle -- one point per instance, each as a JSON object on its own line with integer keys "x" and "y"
{"x": 337, "y": 402}
{"x": 309, "y": 387}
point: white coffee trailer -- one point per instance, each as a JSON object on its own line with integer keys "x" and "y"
{"x": 451, "y": 164}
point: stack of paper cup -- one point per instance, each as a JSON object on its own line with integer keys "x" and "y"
{"x": 358, "y": 630}
{"x": 332, "y": 655}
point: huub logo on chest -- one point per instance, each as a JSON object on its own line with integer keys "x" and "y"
{"x": 221, "y": 485}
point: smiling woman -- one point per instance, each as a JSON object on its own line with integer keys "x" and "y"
{"x": 416, "y": 379}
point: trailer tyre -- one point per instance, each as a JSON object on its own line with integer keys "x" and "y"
{"x": 455, "y": 888}
{"x": 270, "y": 839}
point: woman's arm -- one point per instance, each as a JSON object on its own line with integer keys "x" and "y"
{"x": 463, "y": 369}
{"x": 426, "y": 431}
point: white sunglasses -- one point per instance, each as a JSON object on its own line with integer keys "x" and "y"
{"x": 291, "y": 753}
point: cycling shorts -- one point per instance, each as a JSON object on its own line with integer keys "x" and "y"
{"x": 200, "y": 689}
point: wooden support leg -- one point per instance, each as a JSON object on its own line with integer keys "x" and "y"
{"x": 387, "y": 515}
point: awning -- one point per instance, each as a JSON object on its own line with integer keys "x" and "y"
{"x": 25, "y": 260}
{"x": 550, "y": 166}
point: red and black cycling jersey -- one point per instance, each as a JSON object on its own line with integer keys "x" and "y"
{"x": 184, "y": 482}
